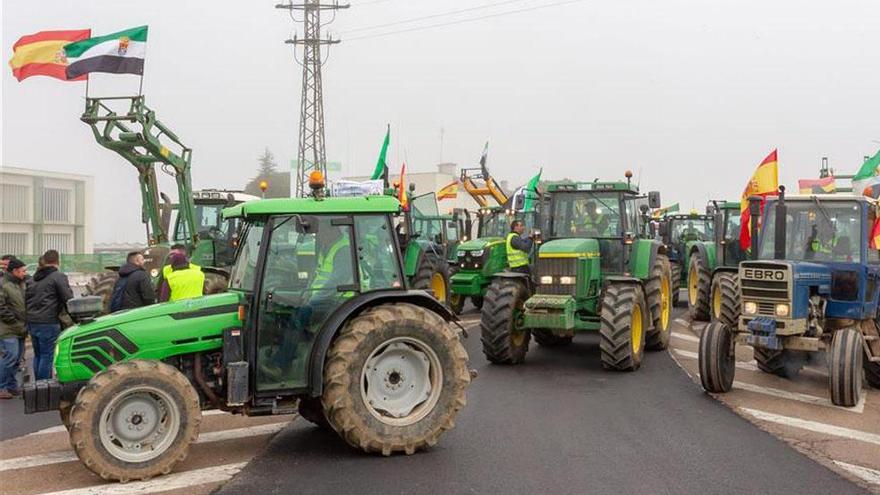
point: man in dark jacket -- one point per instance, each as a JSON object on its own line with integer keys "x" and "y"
{"x": 12, "y": 325}
{"x": 47, "y": 296}
{"x": 135, "y": 283}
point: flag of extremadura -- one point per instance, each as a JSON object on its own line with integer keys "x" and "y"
{"x": 117, "y": 53}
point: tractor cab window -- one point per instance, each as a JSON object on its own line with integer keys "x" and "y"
{"x": 451, "y": 231}
{"x": 376, "y": 257}
{"x": 684, "y": 230}
{"x": 591, "y": 214}
{"x": 732, "y": 225}
{"x": 495, "y": 223}
{"x": 816, "y": 231}
{"x": 633, "y": 215}
{"x": 308, "y": 272}
{"x": 244, "y": 270}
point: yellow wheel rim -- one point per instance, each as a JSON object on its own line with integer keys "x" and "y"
{"x": 636, "y": 328}
{"x": 665, "y": 298}
{"x": 716, "y": 303}
{"x": 517, "y": 337}
{"x": 438, "y": 286}
{"x": 454, "y": 298}
{"x": 693, "y": 280}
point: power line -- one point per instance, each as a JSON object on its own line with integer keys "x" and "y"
{"x": 431, "y": 16}
{"x": 461, "y": 21}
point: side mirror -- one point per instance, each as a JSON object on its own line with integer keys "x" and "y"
{"x": 654, "y": 199}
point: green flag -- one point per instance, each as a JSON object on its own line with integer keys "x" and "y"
{"x": 532, "y": 190}
{"x": 867, "y": 175}
{"x": 381, "y": 170}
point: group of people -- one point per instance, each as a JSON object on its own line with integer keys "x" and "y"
{"x": 36, "y": 306}
{"x": 30, "y": 306}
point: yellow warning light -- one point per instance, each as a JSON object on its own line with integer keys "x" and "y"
{"x": 264, "y": 185}
{"x": 316, "y": 179}
{"x": 628, "y": 174}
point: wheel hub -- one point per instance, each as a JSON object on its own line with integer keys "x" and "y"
{"x": 138, "y": 425}
{"x": 401, "y": 381}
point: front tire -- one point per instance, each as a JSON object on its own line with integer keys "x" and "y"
{"x": 432, "y": 277}
{"x": 659, "y": 295}
{"x": 716, "y": 359}
{"x": 456, "y": 302}
{"x": 502, "y": 339}
{"x": 135, "y": 420}
{"x": 394, "y": 379}
{"x": 699, "y": 286}
{"x": 624, "y": 317}
{"x": 845, "y": 367}
{"x": 726, "y": 298}
{"x": 676, "y": 282}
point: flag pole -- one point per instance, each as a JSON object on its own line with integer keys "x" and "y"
{"x": 87, "y": 86}
{"x": 141, "y": 85}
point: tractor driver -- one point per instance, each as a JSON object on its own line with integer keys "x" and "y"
{"x": 691, "y": 233}
{"x": 518, "y": 248}
{"x": 595, "y": 223}
{"x": 334, "y": 268}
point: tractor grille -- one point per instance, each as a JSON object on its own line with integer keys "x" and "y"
{"x": 765, "y": 281}
{"x": 556, "y": 267}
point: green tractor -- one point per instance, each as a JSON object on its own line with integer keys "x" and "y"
{"x": 479, "y": 259}
{"x": 712, "y": 272}
{"x": 680, "y": 233}
{"x": 145, "y": 142}
{"x": 598, "y": 270}
{"x": 318, "y": 319}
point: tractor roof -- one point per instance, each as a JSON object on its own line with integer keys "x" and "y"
{"x": 221, "y": 195}
{"x": 311, "y": 206}
{"x": 825, "y": 198}
{"x": 615, "y": 186}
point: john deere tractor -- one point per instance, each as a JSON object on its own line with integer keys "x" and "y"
{"x": 597, "y": 271}
{"x": 680, "y": 232}
{"x": 428, "y": 240}
{"x": 811, "y": 287}
{"x": 318, "y": 319}
{"x": 712, "y": 268}
{"x": 145, "y": 142}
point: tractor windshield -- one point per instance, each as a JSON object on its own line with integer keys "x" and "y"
{"x": 496, "y": 223}
{"x": 244, "y": 270}
{"x": 686, "y": 230}
{"x": 731, "y": 225}
{"x": 816, "y": 231}
{"x": 586, "y": 214}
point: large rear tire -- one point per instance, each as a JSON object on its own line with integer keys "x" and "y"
{"x": 676, "y": 282}
{"x": 432, "y": 276}
{"x": 215, "y": 283}
{"x": 716, "y": 360}
{"x": 726, "y": 298}
{"x": 845, "y": 367}
{"x": 135, "y": 420}
{"x": 394, "y": 379}
{"x": 546, "y": 338}
{"x": 624, "y": 318}
{"x": 659, "y": 295}
{"x": 456, "y": 302}
{"x": 502, "y": 339}
{"x": 102, "y": 285}
{"x": 699, "y": 287}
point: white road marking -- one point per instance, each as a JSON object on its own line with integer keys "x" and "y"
{"x": 743, "y": 365}
{"x": 797, "y": 396}
{"x": 684, "y": 336}
{"x": 69, "y": 456}
{"x": 814, "y": 426}
{"x": 682, "y": 322}
{"x": 163, "y": 483}
{"x": 869, "y": 475}
{"x": 46, "y": 431}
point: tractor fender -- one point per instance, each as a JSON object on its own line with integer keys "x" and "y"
{"x": 620, "y": 279}
{"x": 703, "y": 249}
{"x": 725, "y": 269}
{"x": 639, "y": 265}
{"x": 352, "y": 308}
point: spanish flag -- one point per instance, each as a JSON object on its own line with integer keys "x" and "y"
{"x": 449, "y": 191}
{"x": 764, "y": 182}
{"x": 817, "y": 186}
{"x": 401, "y": 193}
{"x": 42, "y": 54}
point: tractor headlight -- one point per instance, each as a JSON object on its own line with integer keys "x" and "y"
{"x": 477, "y": 254}
{"x": 154, "y": 272}
{"x": 546, "y": 279}
{"x": 782, "y": 310}
{"x": 750, "y": 307}
{"x": 461, "y": 254}
{"x": 566, "y": 280}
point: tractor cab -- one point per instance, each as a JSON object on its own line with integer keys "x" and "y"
{"x": 221, "y": 233}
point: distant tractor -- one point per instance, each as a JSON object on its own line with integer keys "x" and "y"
{"x": 428, "y": 241}
{"x": 317, "y": 319}
{"x": 597, "y": 271}
{"x": 812, "y": 287}
{"x": 713, "y": 265}
{"x": 680, "y": 232}
{"x": 145, "y": 142}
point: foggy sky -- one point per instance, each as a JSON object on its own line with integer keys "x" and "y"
{"x": 693, "y": 94}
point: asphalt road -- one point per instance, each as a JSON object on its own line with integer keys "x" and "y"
{"x": 558, "y": 424}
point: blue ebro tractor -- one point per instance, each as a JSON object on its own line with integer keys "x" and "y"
{"x": 811, "y": 287}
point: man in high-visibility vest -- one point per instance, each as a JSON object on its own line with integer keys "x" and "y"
{"x": 518, "y": 247}
{"x": 181, "y": 279}
{"x": 595, "y": 223}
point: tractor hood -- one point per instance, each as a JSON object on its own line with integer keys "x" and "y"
{"x": 480, "y": 243}
{"x": 569, "y": 248}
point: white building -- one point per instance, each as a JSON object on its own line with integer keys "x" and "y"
{"x": 41, "y": 210}
{"x": 426, "y": 182}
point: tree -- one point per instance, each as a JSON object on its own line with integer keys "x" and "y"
{"x": 267, "y": 170}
